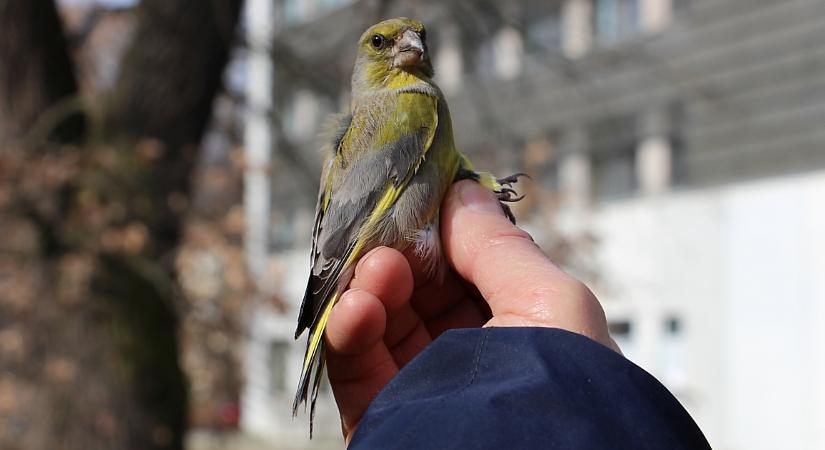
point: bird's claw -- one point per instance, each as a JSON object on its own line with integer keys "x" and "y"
{"x": 508, "y": 212}
{"x": 509, "y": 181}
{"x": 507, "y": 194}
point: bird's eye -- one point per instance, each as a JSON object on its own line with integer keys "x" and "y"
{"x": 378, "y": 41}
{"x": 423, "y": 35}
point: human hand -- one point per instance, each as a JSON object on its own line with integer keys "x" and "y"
{"x": 498, "y": 277}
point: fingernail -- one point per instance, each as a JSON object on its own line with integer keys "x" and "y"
{"x": 478, "y": 198}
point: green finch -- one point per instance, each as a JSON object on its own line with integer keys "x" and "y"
{"x": 388, "y": 168}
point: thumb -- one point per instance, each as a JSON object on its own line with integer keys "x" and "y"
{"x": 519, "y": 282}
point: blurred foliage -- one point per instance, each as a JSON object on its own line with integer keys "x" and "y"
{"x": 88, "y": 330}
{"x": 90, "y": 311}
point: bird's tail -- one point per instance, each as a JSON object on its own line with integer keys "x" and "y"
{"x": 313, "y": 367}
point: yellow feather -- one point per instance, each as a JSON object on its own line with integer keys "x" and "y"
{"x": 315, "y": 340}
{"x": 485, "y": 179}
{"x": 398, "y": 79}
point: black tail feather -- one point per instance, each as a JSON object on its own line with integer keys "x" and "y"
{"x": 314, "y": 373}
{"x": 316, "y": 383}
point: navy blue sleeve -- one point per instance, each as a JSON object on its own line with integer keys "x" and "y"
{"x": 524, "y": 388}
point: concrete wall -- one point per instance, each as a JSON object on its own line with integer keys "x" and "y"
{"x": 750, "y": 75}
{"x": 743, "y": 267}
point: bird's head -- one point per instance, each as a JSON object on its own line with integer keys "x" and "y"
{"x": 390, "y": 52}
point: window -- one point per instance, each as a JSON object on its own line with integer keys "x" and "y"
{"x": 301, "y": 116}
{"x": 500, "y": 56}
{"x": 449, "y": 61}
{"x": 619, "y": 329}
{"x": 613, "y": 156}
{"x": 681, "y": 5}
{"x": 673, "y": 352}
{"x": 278, "y": 354}
{"x": 678, "y": 144}
{"x": 541, "y": 160}
{"x": 622, "y": 332}
{"x": 485, "y": 59}
{"x": 293, "y": 12}
{"x": 614, "y": 174}
{"x": 543, "y": 27}
{"x": 331, "y": 4}
{"x": 615, "y": 20}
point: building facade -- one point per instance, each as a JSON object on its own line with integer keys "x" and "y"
{"x": 685, "y": 136}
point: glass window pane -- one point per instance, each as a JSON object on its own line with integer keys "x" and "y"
{"x": 278, "y": 354}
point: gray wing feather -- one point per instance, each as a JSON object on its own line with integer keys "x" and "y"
{"x": 352, "y": 200}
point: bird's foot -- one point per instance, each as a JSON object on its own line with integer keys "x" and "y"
{"x": 512, "y": 179}
{"x": 508, "y": 212}
{"x": 507, "y": 194}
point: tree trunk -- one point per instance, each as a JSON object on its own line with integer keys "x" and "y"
{"x": 168, "y": 81}
{"x": 157, "y": 115}
{"x": 88, "y": 326}
{"x": 36, "y": 74}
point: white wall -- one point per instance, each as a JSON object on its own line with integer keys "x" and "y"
{"x": 745, "y": 267}
{"x": 267, "y": 412}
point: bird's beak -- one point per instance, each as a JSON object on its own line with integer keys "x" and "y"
{"x": 410, "y": 51}
{"x": 411, "y": 42}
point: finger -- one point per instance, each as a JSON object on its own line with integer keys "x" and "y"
{"x": 441, "y": 303}
{"x": 406, "y": 348}
{"x": 356, "y": 323}
{"x": 445, "y": 304}
{"x": 433, "y": 298}
{"x": 385, "y": 273}
{"x": 464, "y": 314}
{"x": 501, "y": 260}
{"x": 359, "y": 364}
{"x": 518, "y": 281}
{"x": 418, "y": 266}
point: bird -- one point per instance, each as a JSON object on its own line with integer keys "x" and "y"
{"x": 389, "y": 164}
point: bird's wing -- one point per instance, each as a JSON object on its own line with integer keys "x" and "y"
{"x": 349, "y": 208}
{"x": 308, "y": 310}
{"x": 358, "y": 188}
